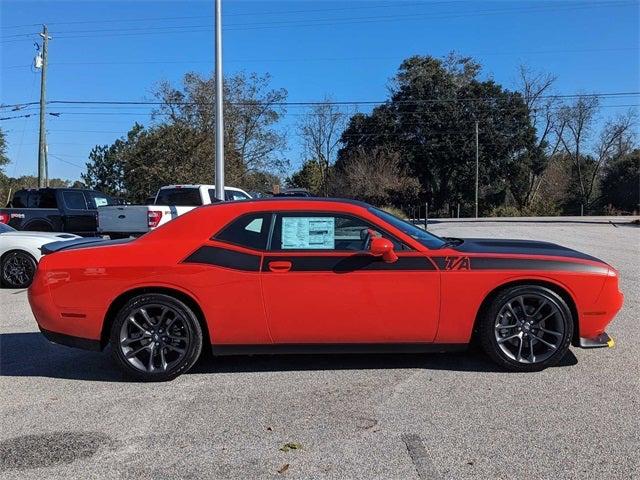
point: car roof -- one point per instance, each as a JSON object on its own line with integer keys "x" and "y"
{"x": 346, "y": 201}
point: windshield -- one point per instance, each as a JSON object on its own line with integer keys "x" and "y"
{"x": 425, "y": 238}
{"x": 6, "y": 228}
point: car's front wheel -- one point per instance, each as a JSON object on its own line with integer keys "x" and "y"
{"x": 526, "y": 328}
{"x": 18, "y": 269}
{"x": 155, "y": 337}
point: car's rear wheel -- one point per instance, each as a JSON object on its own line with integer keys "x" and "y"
{"x": 18, "y": 269}
{"x": 155, "y": 337}
{"x": 526, "y": 328}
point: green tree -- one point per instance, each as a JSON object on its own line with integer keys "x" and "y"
{"x": 621, "y": 183}
{"x": 430, "y": 121}
{"x": 106, "y": 165}
{"x": 310, "y": 176}
{"x": 179, "y": 147}
{"x": 4, "y": 160}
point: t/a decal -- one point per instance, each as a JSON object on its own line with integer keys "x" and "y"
{"x": 457, "y": 263}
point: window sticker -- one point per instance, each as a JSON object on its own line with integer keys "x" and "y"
{"x": 100, "y": 201}
{"x": 308, "y": 233}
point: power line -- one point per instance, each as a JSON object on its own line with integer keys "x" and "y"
{"x": 279, "y": 12}
{"x": 136, "y": 31}
{"x": 322, "y": 59}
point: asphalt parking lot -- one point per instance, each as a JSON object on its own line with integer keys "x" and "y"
{"x": 66, "y": 413}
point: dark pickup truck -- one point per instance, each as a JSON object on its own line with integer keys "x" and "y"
{"x": 71, "y": 210}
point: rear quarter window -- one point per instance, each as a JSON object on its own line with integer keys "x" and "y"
{"x": 180, "y": 197}
{"x": 251, "y": 231}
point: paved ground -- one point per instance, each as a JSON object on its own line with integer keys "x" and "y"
{"x": 69, "y": 414}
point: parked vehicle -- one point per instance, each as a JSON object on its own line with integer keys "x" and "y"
{"x": 20, "y": 252}
{"x": 293, "y": 192}
{"x": 170, "y": 202}
{"x": 71, "y": 210}
{"x": 312, "y": 275}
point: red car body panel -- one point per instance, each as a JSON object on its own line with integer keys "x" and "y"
{"x": 428, "y": 296}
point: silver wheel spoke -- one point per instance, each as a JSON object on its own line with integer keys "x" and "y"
{"x": 532, "y": 357}
{"x": 152, "y": 354}
{"x": 513, "y": 313}
{"x": 542, "y": 340}
{"x": 146, "y": 316}
{"x": 519, "y": 356}
{"x": 540, "y": 307}
{"x": 505, "y": 339}
{"x": 551, "y": 332}
{"x": 163, "y": 361}
{"x": 524, "y": 309}
{"x": 130, "y": 340}
{"x": 138, "y": 326}
{"x": 174, "y": 348}
{"x": 133, "y": 353}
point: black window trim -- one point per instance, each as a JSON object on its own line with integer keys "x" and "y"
{"x": 274, "y": 215}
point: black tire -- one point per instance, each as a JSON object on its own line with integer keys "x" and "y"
{"x": 189, "y": 330}
{"x": 497, "y": 342}
{"x": 17, "y": 269}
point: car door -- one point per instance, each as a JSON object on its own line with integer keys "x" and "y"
{"x": 77, "y": 217}
{"x": 319, "y": 286}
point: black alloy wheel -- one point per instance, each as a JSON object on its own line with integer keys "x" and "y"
{"x": 527, "y": 328}
{"x": 156, "y": 337}
{"x": 18, "y": 269}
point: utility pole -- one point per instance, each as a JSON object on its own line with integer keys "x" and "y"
{"x": 43, "y": 174}
{"x": 477, "y": 169}
{"x": 219, "y": 113}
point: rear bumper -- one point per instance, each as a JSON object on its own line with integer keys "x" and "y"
{"x": 602, "y": 340}
{"x": 71, "y": 341}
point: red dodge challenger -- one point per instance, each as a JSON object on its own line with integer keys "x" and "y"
{"x": 316, "y": 275}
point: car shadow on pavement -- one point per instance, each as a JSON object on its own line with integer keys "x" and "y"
{"x": 31, "y": 355}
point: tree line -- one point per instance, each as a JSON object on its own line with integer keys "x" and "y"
{"x": 539, "y": 153}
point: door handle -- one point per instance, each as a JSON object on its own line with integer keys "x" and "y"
{"x": 280, "y": 266}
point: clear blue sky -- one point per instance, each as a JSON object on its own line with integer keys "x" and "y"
{"x": 111, "y": 50}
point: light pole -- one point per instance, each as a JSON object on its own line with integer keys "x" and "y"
{"x": 477, "y": 169}
{"x": 219, "y": 145}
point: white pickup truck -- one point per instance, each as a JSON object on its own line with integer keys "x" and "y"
{"x": 120, "y": 221}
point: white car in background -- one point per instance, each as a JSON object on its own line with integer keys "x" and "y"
{"x": 20, "y": 253}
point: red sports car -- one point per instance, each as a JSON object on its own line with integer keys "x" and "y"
{"x": 312, "y": 275}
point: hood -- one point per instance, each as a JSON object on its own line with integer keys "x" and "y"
{"x": 520, "y": 247}
{"x": 53, "y": 236}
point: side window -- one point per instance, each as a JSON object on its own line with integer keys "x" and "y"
{"x": 212, "y": 196}
{"x": 95, "y": 200}
{"x": 47, "y": 199}
{"x": 251, "y": 231}
{"x": 33, "y": 199}
{"x": 234, "y": 195}
{"x": 74, "y": 200}
{"x": 321, "y": 231}
{"x": 20, "y": 199}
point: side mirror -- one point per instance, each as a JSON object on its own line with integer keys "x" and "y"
{"x": 382, "y": 247}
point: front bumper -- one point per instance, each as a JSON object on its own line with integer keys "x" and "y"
{"x": 602, "y": 340}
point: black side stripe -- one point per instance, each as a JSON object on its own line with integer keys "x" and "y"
{"x": 225, "y": 258}
{"x": 501, "y": 263}
{"x": 349, "y": 263}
